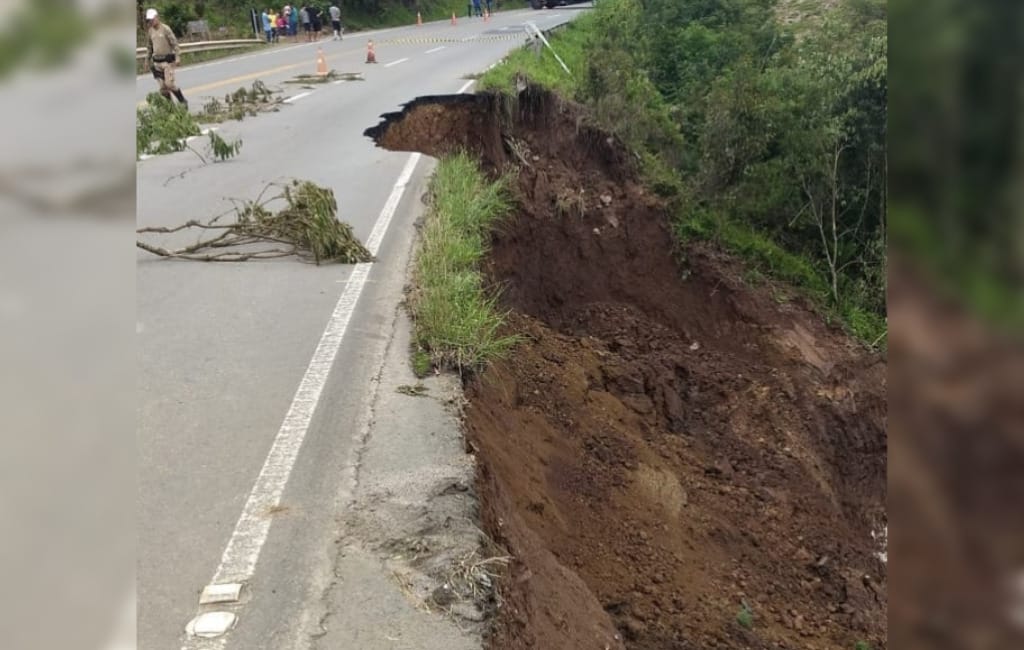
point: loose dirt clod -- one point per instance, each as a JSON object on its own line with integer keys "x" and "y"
{"x": 655, "y": 492}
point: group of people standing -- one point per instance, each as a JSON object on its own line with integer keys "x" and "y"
{"x": 288, "y": 21}
{"x": 476, "y": 7}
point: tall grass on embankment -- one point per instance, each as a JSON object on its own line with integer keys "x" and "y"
{"x": 456, "y": 323}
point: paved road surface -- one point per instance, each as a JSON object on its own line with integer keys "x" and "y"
{"x": 223, "y": 349}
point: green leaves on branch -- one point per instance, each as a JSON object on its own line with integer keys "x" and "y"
{"x": 161, "y": 126}
{"x": 222, "y": 149}
{"x": 306, "y": 226}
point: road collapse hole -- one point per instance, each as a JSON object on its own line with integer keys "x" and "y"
{"x": 672, "y": 458}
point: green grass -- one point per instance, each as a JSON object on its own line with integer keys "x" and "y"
{"x": 764, "y": 254}
{"x": 457, "y": 325}
{"x": 862, "y": 645}
{"x": 570, "y": 44}
{"x": 982, "y": 285}
{"x": 767, "y": 257}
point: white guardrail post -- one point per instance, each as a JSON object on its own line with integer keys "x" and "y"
{"x": 532, "y": 27}
{"x": 207, "y": 46}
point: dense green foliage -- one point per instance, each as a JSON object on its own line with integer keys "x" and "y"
{"x": 768, "y": 138}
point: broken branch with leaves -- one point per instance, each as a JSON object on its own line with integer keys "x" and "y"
{"x": 306, "y": 227}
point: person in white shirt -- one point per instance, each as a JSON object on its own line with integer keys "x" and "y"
{"x": 336, "y": 21}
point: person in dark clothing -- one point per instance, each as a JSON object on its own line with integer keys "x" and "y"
{"x": 315, "y": 21}
{"x": 477, "y": 11}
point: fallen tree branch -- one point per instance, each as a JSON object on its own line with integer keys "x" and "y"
{"x": 307, "y": 225}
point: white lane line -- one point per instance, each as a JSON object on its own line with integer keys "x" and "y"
{"x": 436, "y": 49}
{"x": 388, "y": 65}
{"x": 295, "y": 98}
{"x": 238, "y": 562}
{"x": 466, "y": 86}
{"x": 339, "y": 81}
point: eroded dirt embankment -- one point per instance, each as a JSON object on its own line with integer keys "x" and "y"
{"x": 670, "y": 446}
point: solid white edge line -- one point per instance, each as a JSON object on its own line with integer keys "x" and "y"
{"x": 466, "y": 86}
{"x": 295, "y": 98}
{"x": 243, "y": 549}
{"x": 436, "y": 49}
{"x": 388, "y": 65}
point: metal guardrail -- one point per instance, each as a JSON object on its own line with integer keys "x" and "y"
{"x": 207, "y": 46}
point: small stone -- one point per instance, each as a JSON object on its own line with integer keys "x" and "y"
{"x": 443, "y": 595}
{"x": 606, "y": 199}
{"x": 798, "y": 622}
{"x": 597, "y": 231}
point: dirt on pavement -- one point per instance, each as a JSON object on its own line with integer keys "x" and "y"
{"x": 674, "y": 458}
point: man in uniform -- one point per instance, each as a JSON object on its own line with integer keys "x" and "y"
{"x": 164, "y": 53}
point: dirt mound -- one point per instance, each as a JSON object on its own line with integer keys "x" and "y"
{"x": 675, "y": 459}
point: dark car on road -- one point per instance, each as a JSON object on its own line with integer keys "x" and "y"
{"x": 540, "y": 4}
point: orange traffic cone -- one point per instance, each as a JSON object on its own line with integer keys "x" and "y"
{"x": 419, "y": 19}
{"x": 321, "y": 62}
{"x": 453, "y": 19}
{"x": 371, "y": 56}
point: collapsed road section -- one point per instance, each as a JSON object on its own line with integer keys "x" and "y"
{"x": 674, "y": 458}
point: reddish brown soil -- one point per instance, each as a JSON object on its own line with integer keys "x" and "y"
{"x": 958, "y": 473}
{"x": 669, "y": 443}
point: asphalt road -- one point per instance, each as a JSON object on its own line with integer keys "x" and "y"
{"x": 224, "y": 348}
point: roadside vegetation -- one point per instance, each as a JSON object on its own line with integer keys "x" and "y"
{"x": 457, "y": 325}
{"x": 763, "y": 124}
{"x": 233, "y": 15}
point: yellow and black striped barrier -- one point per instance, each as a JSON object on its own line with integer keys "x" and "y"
{"x": 429, "y": 40}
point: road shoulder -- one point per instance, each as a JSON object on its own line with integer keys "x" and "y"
{"x": 410, "y": 538}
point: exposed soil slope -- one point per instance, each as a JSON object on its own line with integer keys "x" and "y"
{"x": 670, "y": 446}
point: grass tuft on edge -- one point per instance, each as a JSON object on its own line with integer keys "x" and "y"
{"x": 456, "y": 323}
